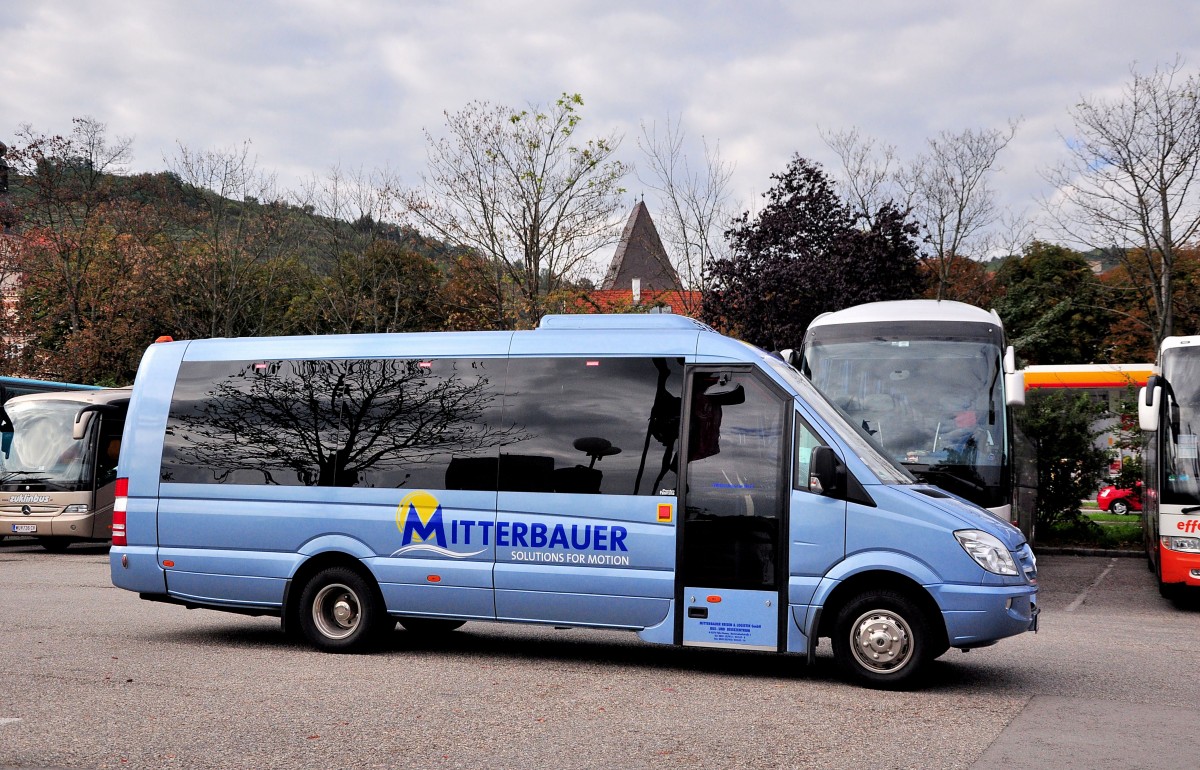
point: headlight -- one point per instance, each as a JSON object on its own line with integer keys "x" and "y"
{"x": 987, "y": 551}
{"x": 1188, "y": 544}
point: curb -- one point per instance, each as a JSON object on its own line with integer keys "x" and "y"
{"x": 1070, "y": 551}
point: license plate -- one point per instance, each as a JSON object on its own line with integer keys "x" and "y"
{"x": 24, "y": 528}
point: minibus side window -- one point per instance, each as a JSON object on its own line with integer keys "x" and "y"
{"x": 394, "y": 423}
{"x": 593, "y": 425}
{"x": 806, "y": 440}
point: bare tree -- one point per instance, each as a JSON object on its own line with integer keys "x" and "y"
{"x": 869, "y": 171}
{"x": 342, "y": 196}
{"x": 516, "y": 188}
{"x": 1132, "y": 180}
{"x": 945, "y": 188}
{"x": 696, "y": 206}
{"x": 241, "y": 237}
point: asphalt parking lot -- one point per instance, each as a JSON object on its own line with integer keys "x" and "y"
{"x": 95, "y": 678}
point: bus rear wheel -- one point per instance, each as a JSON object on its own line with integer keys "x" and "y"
{"x": 882, "y": 639}
{"x": 340, "y": 611}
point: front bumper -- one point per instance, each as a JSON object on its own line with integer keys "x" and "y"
{"x": 63, "y": 525}
{"x": 1179, "y": 567}
{"x": 977, "y": 616}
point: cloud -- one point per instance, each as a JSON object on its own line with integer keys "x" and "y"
{"x": 315, "y": 84}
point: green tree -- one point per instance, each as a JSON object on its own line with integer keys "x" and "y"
{"x": 1050, "y": 302}
{"x": 1060, "y": 424}
{"x": 519, "y": 188}
{"x": 386, "y": 288}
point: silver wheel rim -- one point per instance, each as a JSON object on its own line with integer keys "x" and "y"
{"x": 336, "y": 611}
{"x": 881, "y": 641}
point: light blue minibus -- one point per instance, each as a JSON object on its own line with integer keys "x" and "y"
{"x": 636, "y": 472}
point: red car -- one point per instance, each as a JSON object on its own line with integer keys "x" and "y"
{"x": 1120, "y": 501}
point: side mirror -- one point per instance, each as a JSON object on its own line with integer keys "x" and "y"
{"x": 1014, "y": 388}
{"x": 1010, "y": 360}
{"x": 1149, "y": 399}
{"x": 792, "y": 357}
{"x": 82, "y": 421}
{"x": 825, "y": 472}
{"x": 84, "y": 418}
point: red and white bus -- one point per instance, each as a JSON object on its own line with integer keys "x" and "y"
{"x": 1169, "y": 409}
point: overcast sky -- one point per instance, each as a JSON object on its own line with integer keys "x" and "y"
{"x": 356, "y": 82}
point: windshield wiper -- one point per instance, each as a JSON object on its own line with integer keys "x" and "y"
{"x": 949, "y": 475}
{"x": 13, "y": 474}
{"x": 27, "y": 477}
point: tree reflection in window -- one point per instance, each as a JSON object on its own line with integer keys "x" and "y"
{"x": 375, "y": 423}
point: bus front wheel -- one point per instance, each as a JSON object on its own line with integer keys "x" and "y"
{"x": 882, "y": 639}
{"x": 340, "y": 611}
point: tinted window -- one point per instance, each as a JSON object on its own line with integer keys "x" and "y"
{"x": 734, "y": 507}
{"x": 806, "y": 442}
{"x": 601, "y": 425}
{"x": 378, "y": 423}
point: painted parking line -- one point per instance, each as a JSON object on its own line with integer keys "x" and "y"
{"x": 1083, "y": 594}
{"x": 8, "y": 720}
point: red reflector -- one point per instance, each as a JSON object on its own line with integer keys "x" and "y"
{"x": 165, "y": 338}
{"x": 120, "y": 506}
{"x": 425, "y": 364}
{"x": 168, "y": 563}
{"x": 434, "y": 578}
{"x": 714, "y": 600}
{"x": 593, "y": 363}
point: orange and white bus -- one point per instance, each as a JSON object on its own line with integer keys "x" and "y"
{"x": 1169, "y": 409}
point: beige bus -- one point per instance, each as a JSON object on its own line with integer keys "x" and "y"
{"x": 58, "y": 465}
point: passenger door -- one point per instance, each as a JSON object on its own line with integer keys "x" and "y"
{"x": 734, "y": 498}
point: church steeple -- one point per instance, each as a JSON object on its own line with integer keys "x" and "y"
{"x": 641, "y": 255}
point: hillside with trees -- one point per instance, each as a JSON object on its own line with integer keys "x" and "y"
{"x": 517, "y": 203}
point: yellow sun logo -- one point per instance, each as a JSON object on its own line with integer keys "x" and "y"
{"x": 423, "y": 504}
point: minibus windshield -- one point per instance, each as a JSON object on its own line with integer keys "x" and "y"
{"x": 41, "y": 454}
{"x": 863, "y": 445}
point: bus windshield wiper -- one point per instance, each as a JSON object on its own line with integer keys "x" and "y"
{"x": 949, "y": 475}
{"x": 9, "y": 475}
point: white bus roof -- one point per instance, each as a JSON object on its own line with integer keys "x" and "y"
{"x": 102, "y": 396}
{"x": 909, "y": 310}
{"x": 1179, "y": 342}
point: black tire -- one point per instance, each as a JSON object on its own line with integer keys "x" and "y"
{"x": 882, "y": 639}
{"x": 341, "y": 611}
{"x": 1165, "y": 590}
{"x": 430, "y": 626}
{"x": 54, "y": 544}
{"x": 1119, "y": 507}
